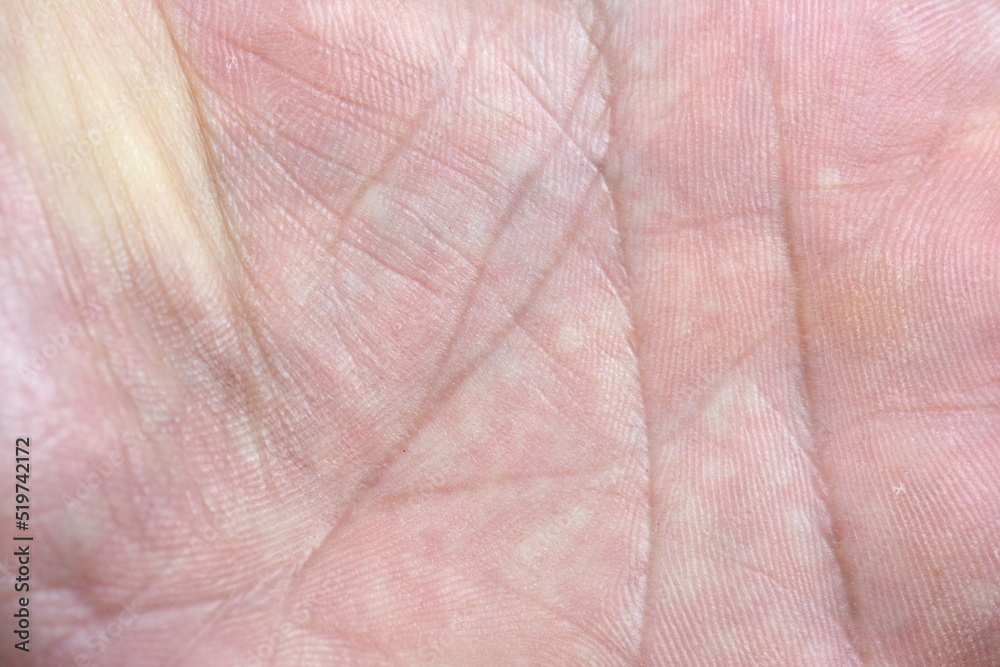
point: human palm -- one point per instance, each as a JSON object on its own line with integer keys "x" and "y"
{"x": 505, "y": 333}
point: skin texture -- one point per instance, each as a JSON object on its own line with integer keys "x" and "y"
{"x": 500, "y": 333}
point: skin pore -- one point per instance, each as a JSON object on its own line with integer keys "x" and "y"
{"x": 515, "y": 332}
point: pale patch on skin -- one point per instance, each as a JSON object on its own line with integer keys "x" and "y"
{"x": 981, "y": 595}
{"x": 985, "y": 594}
{"x": 298, "y": 288}
{"x": 905, "y": 31}
{"x": 380, "y": 593}
{"x": 516, "y": 166}
{"x": 476, "y": 225}
{"x": 733, "y": 403}
{"x": 724, "y": 412}
{"x": 375, "y": 204}
{"x": 553, "y": 537}
{"x": 983, "y": 134}
{"x": 829, "y": 178}
{"x": 799, "y": 521}
{"x": 696, "y": 516}
{"x": 646, "y": 58}
{"x": 571, "y": 338}
{"x": 679, "y": 76}
{"x": 739, "y": 406}
{"x": 720, "y": 469}
{"x": 911, "y": 28}
{"x": 470, "y": 422}
{"x": 352, "y": 285}
{"x": 580, "y": 450}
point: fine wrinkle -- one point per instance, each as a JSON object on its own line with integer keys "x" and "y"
{"x": 258, "y": 407}
{"x": 806, "y": 385}
{"x": 600, "y": 37}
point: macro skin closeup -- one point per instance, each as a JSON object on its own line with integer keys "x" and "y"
{"x": 527, "y": 332}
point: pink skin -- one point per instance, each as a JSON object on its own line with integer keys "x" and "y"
{"x": 507, "y": 333}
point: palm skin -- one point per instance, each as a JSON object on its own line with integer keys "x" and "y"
{"x": 505, "y": 333}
